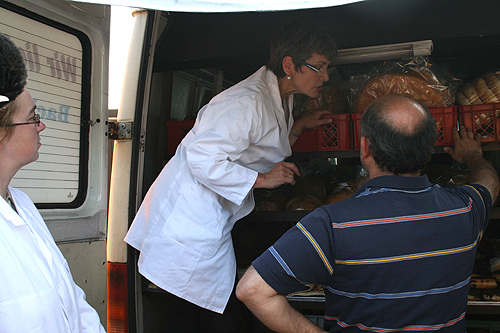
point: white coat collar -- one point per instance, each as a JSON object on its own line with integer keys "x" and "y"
{"x": 271, "y": 81}
{"x": 10, "y": 214}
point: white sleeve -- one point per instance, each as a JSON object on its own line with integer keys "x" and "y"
{"x": 221, "y": 139}
{"x": 89, "y": 317}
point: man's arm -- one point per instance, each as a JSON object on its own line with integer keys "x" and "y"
{"x": 271, "y": 308}
{"x": 468, "y": 151}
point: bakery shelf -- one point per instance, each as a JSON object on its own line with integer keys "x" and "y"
{"x": 483, "y": 307}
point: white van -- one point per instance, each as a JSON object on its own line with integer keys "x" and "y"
{"x": 177, "y": 61}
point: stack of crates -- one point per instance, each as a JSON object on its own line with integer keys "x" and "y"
{"x": 343, "y": 133}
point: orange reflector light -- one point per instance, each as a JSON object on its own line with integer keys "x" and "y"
{"x": 117, "y": 312}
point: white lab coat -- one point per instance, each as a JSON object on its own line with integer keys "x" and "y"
{"x": 183, "y": 227}
{"x": 37, "y": 292}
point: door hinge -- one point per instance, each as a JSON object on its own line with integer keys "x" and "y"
{"x": 118, "y": 130}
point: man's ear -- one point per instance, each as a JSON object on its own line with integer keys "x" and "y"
{"x": 365, "y": 147}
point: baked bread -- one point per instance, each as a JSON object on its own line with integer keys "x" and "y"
{"x": 272, "y": 201}
{"x": 305, "y": 202}
{"x": 492, "y": 295}
{"x": 312, "y": 186}
{"x": 475, "y": 295}
{"x": 341, "y": 192}
{"x": 483, "y": 283}
{"x": 410, "y": 85}
{"x": 482, "y": 90}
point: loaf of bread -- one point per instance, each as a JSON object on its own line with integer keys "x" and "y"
{"x": 272, "y": 201}
{"x": 492, "y": 295}
{"x": 475, "y": 295}
{"x": 410, "y": 85}
{"x": 342, "y": 191}
{"x": 305, "y": 202}
{"x": 310, "y": 186}
{"x": 482, "y": 90}
{"x": 308, "y": 194}
{"x": 483, "y": 283}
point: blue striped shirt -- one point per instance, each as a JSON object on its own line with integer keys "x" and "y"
{"x": 395, "y": 257}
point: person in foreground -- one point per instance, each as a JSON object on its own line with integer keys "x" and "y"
{"x": 397, "y": 255}
{"x": 239, "y": 142}
{"x": 38, "y": 293}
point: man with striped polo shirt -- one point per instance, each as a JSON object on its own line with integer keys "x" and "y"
{"x": 397, "y": 255}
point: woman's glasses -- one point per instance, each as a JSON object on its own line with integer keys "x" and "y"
{"x": 323, "y": 71}
{"x": 34, "y": 120}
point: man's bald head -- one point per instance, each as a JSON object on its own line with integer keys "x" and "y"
{"x": 402, "y": 133}
{"x": 402, "y": 113}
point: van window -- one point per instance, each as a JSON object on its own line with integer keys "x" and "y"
{"x": 56, "y": 58}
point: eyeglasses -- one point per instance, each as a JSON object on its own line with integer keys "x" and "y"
{"x": 325, "y": 70}
{"x": 34, "y": 120}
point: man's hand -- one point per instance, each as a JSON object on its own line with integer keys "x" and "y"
{"x": 469, "y": 152}
{"x": 465, "y": 143}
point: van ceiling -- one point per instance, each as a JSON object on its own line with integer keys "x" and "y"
{"x": 466, "y": 34}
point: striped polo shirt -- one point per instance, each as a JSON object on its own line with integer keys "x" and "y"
{"x": 395, "y": 257}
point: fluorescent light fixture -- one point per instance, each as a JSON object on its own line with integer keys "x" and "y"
{"x": 383, "y": 52}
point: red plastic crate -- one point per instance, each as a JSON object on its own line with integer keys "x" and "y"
{"x": 329, "y": 137}
{"x": 484, "y": 119}
{"x": 446, "y": 119}
{"x": 356, "y": 133}
{"x": 176, "y": 131}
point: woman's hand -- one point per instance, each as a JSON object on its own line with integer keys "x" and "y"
{"x": 311, "y": 120}
{"x": 281, "y": 173}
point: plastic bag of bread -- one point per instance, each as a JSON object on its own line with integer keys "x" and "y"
{"x": 482, "y": 90}
{"x": 458, "y": 174}
{"x": 332, "y": 98}
{"x": 343, "y": 191}
{"x": 272, "y": 200}
{"x": 415, "y": 77}
{"x": 308, "y": 194}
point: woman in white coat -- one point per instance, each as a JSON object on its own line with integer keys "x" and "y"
{"x": 239, "y": 142}
{"x": 37, "y": 291}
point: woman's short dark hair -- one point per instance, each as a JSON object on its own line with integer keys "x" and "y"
{"x": 13, "y": 71}
{"x": 299, "y": 37}
{"x": 394, "y": 150}
{"x": 13, "y": 76}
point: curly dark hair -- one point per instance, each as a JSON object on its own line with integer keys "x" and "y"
{"x": 397, "y": 150}
{"x": 299, "y": 36}
{"x": 13, "y": 72}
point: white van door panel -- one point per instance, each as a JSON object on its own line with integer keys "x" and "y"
{"x": 65, "y": 46}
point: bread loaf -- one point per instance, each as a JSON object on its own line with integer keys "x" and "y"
{"x": 308, "y": 194}
{"x": 482, "y": 90}
{"x": 475, "y": 295}
{"x": 492, "y": 295}
{"x": 272, "y": 201}
{"x": 341, "y": 192}
{"x": 412, "y": 86}
{"x": 483, "y": 283}
{"x": 305, "y": 202}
